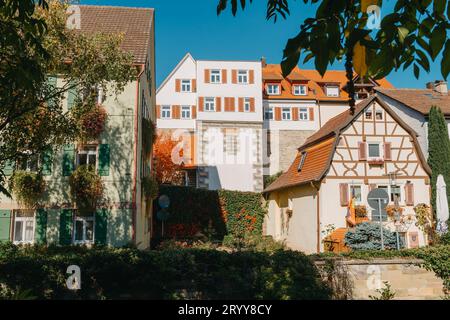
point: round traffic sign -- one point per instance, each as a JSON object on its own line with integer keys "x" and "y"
{"x": 164, "y": 201}
{"x": 378, "y": 198}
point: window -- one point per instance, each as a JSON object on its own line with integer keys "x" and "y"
{"x": 23, "y": 226}
{"x": 246, "y": 104}
{"x": 361, "y": 95}
{"x": 185, "y": 85}
{"x": 303, "y": 113}
{"x": 210, "y": 104}
{"x": 83, "y": 229}
{"x": 243, "y": 77}
{"x": 369, "y": 115}
{"x": 166, "y": 112}
{"x": 356, "y": 193}
{"x": 286, "y": 113}
{"x": 332, "y": 91}
{"x": 87, "y": 156}
{"x": 374, "y": 150}
{"x": 302, "y": 161}
{"x": 215, "y": 76}
{"x": 185, "y": 112}
{"x": 268, "y": 113}
{"x": 273, "y": 89}
{"x": 394, "y": 192}
{"x": 379, "y": 115}
{"x": 144, "y": 110}
{"x": 230, "y": 146}
{"x": 299, "y": 90}
{"x": 30, "y": 163}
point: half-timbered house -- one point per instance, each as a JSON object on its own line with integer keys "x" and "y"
{"x": 349, "y": 156}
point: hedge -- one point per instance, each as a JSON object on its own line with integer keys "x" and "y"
{"x": 214, "y": 213}
{"x": 170, "y": 274}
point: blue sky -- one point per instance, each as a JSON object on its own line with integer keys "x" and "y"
{"x": 192, "y": 26}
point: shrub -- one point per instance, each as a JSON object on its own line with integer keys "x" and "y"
{"x": 366, "y": 236}
{"x": 268, "y": 180}
{"x": 86, "y": 187}
{"x": 27, "y": 187}
{"x": 170, "y": 274}
{"x": 254, "y": 243}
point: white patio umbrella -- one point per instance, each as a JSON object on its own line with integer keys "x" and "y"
{"x": 441, "y": 204}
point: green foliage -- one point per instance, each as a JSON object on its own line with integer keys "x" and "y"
{"x": 268, "y": 180}
{"x": 256, "y": 243}
{"x": 438, "y": 151}
{"x": 91, "y": 121}
{"x": 367, "y": 236}
{"x": 86, "y": 187}
{"x": 27, "y": 187}
{"x": 150, "y": 187}
{"x": 148, "y": 135}
{"x": 385, "y": 293}
{"x": 168, "y": 274}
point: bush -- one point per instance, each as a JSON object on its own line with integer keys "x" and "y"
{"x": 169, "y": 274}
{"x": 366, "y": 236}
{"x": 27, "y": 187}
{"x": 86, "y": 187}
{"x": 254, "y": 243}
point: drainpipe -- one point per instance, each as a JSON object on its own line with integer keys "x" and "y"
{"x": 318, "y": 214}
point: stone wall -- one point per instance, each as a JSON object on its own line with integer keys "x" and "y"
{"x": 357, "y": 279}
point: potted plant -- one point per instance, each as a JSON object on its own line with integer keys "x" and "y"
{"x": 91, "y": 121}
{"x": 391, "y": 209}
{"x": 361, "y": 214}
{"x": 27, "y": 187}
{"x": 86, "y": 188}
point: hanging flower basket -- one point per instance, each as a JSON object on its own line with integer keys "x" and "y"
{"x": 86, "y": 188}
{"x": 91, "y": 123}
{"x": 27, "y": 187}
{"x": 361, "y": 211}
{"x": 148, "y": 136}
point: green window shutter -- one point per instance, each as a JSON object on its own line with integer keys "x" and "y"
{"x": 103, "y": 160}
{"x": 47, "y": 162}
{"x": 8, "y": 169}
{"x": 65, "y": 227}
{"x": 72, "y": 97}
{"x": 101, "y": 226}
{"x": 40, "y": 233}
{"x": 68, "y": 160}
{"x": 5, "y": 225}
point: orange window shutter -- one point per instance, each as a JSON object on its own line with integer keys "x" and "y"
{"x": 277, "y": 114}
{"x": 241, "y": 104}
{"x": 176, "y": 112}
{"x": 201, "y": 104}
{"x": 224, "y": 76}
{"x": 362, "y": 151}
{"x": 234, "y": 76}
{"x": 311, "y": 114}
{"x": 343, "y": 194}
{"x": 218, "y": 104}
{"x": 177, "y": 85}
{"x": 251, "y": 76}
{"x": 194, "y": 112}
{"x": 252, "y": 104}
{"x": 194, "y": 85}
{"x": 232, "y": 104}
{"x": 387, "y": 151}
{"x": 158, "y": 111}
{"x": 207, "y": 75}
{"x": 409, "y": 194}
{"x": 295, "y": 114}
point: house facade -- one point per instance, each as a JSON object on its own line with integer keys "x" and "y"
{"x": 346, "y": 159}
{"x": 124, "y": 215}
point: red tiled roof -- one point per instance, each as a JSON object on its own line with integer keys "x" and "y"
{"x": 134, "y": 23}
{"x": 420, "y": 100}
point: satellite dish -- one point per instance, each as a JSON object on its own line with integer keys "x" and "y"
{"x": 164, "y": 201}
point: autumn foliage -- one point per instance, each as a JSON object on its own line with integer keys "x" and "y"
{"x": 167, "y": 172}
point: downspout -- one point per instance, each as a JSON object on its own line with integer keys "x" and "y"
{"x": 318, "y": 214}
{"x": 320, "y": 114}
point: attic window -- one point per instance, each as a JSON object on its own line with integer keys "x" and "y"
{"x": 332, "y": 91}
{"x": 302, "y": 161}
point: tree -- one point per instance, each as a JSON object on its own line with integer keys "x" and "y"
{"x": 438, "y": 152}
{"x": 167, "y": 171}
{"x": 414, "y": 34}
{"x": 367, "y": 236}
{"x": 36, "y": 44}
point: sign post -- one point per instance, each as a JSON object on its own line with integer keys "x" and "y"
{"x": 378, "y": 200}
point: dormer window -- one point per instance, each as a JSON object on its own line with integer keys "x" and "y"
{"x": 299, "y": 90}
{"x": 302, "y": 161}
{"x": 332, "y": 91}
{"x": 273, "y": 89}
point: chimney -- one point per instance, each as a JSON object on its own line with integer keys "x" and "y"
{"x": 263, "y": 62}
{"x": 441, "y": 87}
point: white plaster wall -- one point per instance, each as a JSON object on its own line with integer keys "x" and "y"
{"x": 329, "y": 110}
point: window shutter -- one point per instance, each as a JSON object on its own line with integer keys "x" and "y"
{"x": 72, "y": 97}
{"x": 409, "y": 194}
{"x": 5, "y": 225}
{"x": 234, "y": 76}
{"x": 158, "y": 111}
{"x": 311, "y": 114}
{"x": 47, "y": 162}
{"x": 387, "y": 151}
{"x": 251, "y": 75}
{"x": 241, "y": 104}
{"x": 194, "y": 112}
{"x": 207, "y": 75}
{"x": 252, "y": 104}
{"x": 277, "y": 113}
{"x": 8, "y": 169}
{"x": 101, "y": 226}
{"x": 175, "y": 112}
{"x": 40, "y": 233}
{"x": 362, "y": 151}
{"x": 218, "y": 104}
{"x": 103, "y": 160}
{"x": 194, "y": 85}
{"x": 65, "y": 227}
{"x": 224, "y": 76}
{"x": 343, "y": 193}
{"x": 201, "y": 104}
{"x": 295, "y": 114}
{"x": 232, "y": 103}
{"x": 68, "y": 160}
{"x": 177, "y": 85}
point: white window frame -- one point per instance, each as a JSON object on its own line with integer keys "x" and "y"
{"x": 273, "y": 89}
{"x": 88, "y": 151}
{"x": 215, "y": 76}
{"x": 366, "y": 113}
{"x": 284, "y": 113}
{"x": 166, "y": 112}
{"x": 247, "y": 105}
{"x": 328, "y": 93}
{"x": 380, "y": 149}
{"x": 186, "y": 86}
{"x": 389, "y": 187}
{"x": 210, "y": 104}
{"x": 268, "y": 111}
{"x": 186, "y": 112}
{"x": 355, "y": 185}
{"x": 243, "y": 77}
{"x": 303, "y": 114}
{"x": 84, "y": 219}
{"x": 299, "y": 90}
{"x": 231, "y": 143}
{"x": 24, "y": 221}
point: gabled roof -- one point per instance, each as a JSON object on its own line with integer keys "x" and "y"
{"x": 134, "y": 23}
{"x": 187, "y": 56}
{"x": 320, "y": 148}
{"x": 420, "y": 100}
